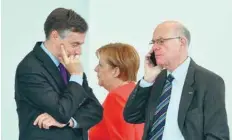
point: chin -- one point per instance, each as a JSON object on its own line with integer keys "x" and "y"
{"x": 99, "y": 83}
{"x": 159, "y": 62}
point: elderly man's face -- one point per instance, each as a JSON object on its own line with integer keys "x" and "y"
{"x": 166, "y": 45}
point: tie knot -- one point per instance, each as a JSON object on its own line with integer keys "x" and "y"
{"x": 61, "y": 66}
{"x": 170, "y": 78}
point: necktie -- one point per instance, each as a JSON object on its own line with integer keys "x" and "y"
{"x": 63, "y": 73}
{"x": 157, "y": 129}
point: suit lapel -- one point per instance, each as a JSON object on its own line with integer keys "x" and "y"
{"x": 187, "y": 94}
{"x": 155, "y": 94}
{"x": 48, "y": 65}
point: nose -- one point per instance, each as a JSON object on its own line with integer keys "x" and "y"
{"x": 155, "y": 47}
{"x": 78, "y": 51}
{"x": 96, "y": 69}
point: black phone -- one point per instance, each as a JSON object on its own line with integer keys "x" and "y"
{"x": 152, "y": 59}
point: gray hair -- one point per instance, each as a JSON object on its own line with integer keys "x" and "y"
{"x": 64, "y": 33}
{"x": 183, "y": 31}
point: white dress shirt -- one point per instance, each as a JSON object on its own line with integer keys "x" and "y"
{"x": 171, "y": 128}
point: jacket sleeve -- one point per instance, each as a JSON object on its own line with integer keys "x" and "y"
{"x": 134, "y": 111}
{"x": 90, "y": 111}
{"x": 215, "y": 117}
{"x": 35, "y": 89}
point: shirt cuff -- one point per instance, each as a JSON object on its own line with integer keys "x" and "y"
{"x": 75, "y": 124}
{"x": 144, "y": 83}
{"x": 76, "y": 78}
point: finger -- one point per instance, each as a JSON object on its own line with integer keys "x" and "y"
{"x": 38, "y": 118}
{"x": 147, "y": 59}
{"x": 151, "y": 50}
{"x": 64, "y": 54}
{"x": 36, "y": 121}
{"x": 71, "y": 57}
{"x": 56, "y": 124}
{"x": 149, "y": 53}
{"x": 51, "y": 123}
{"x": 77, "y": 57}
{"x": 47, "y": 123}
{"x": 40, "y": 122}
{"x": 44, "y": 124}
{"x": 42, "y": 119}
{"x": 60, "y": 125}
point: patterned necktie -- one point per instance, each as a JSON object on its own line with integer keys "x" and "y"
{"x": 157, "y": 129}
{"x": 63, "y": 73}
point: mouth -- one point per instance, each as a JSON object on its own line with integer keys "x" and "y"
{"x": 158, "y": 55}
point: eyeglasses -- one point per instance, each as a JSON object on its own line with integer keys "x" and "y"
{"x": 161, "y": 41}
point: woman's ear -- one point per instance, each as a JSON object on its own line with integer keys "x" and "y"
{"x": 116, "y": 72}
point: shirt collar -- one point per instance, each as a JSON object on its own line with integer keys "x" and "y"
{"x": 54, "y": 59}
{"x": 181, "y": 70}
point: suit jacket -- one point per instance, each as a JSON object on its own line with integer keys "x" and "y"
{"x": 39, "y": 88}
{"x": 202, "y": 114}
{"x": 113, "y": 126}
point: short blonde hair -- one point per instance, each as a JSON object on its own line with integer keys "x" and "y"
{"x": 123, "y": 56}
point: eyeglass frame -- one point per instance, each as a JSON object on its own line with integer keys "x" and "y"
{"x": 158, "y": 41}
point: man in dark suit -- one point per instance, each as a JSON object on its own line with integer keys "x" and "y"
{"x": 177, "y": 99}
{"x": 54, "y": 101}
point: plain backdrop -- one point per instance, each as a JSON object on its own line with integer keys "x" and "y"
{"x": 114, "y": 21}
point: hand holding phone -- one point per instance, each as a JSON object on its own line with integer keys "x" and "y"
{"x": 151, "y": 68}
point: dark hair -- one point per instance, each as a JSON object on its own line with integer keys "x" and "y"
{"x": 62, "y": 19}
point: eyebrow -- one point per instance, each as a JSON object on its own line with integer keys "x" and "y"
{"x": 79, "y": 43}
{"x": 160, "y": 37}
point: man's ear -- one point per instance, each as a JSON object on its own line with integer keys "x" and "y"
{"x": 183, "y": 41}
{"x": 54, "y": 35}
{"x": 116, "y": 72}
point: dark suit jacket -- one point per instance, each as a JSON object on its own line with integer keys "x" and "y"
{"x": 202, "y": 114}
{"x": 39, "y": 88}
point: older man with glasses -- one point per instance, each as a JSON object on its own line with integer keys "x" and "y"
{"x": 177, "y": 99}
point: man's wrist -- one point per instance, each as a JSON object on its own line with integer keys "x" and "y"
{"x": 71, "y": 123}
{"x": 77, "y": 73}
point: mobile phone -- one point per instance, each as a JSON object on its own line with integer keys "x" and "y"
{"x": 152, "y": 59}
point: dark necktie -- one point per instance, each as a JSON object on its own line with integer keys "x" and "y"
{"x": 157, "y": 129}
{"x": 63, "y": 73}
